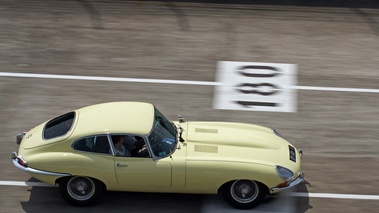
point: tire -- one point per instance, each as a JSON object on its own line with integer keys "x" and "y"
{"x": 244, "y": 194}
{"x": 80, "y": 190}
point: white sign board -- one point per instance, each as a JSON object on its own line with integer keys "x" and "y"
{"x": 255, "y": 86}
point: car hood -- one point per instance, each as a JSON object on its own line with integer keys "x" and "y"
{"x": 237, "y": 142}
{"x": 233, "y": 134}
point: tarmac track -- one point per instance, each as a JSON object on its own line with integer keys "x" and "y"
{"x": 333, "y": 45}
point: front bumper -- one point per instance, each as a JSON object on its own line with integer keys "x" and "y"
{"x": 16, "y": 162}
{"x": 295, "y": 182}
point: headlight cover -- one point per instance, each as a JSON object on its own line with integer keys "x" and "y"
{"x": 284, "y": 173}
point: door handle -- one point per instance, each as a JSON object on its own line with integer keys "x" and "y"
{"x": 121, "y": 165}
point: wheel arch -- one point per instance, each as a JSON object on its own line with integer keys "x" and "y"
{"x": 59, "y": 180}
{"x": 231, "y": 181}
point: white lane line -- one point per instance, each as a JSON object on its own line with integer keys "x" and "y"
{"x": 337, "y": 89}
{"x": 99, "y": 78}
{"x": 23, "y": 183}
{"x": 163, "y": 81}
{"x": 294, "y": 194}
{"x": 340, "y": 196}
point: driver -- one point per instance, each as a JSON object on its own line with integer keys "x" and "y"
{"x": 140, "y": 149}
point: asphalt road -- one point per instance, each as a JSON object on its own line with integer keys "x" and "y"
{"x": 332, "y": 46}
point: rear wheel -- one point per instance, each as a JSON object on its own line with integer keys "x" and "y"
{"x": 244, "y": 194}
{"x": 80, "y": 190}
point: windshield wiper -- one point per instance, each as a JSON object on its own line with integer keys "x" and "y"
{"x": 180, "y": 133}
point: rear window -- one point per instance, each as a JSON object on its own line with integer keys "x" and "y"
{"x": 59, "y": 126}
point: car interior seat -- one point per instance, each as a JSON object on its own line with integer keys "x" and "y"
{"x": 102, "y": 144}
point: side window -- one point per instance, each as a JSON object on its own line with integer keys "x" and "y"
{"x": 129, "y": 146}
{"x": 98, "y": 144}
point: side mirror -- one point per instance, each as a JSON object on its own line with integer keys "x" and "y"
{"x": 181, "y": 119}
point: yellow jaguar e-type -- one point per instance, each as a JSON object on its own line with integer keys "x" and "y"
{"x": 131, "y": 146}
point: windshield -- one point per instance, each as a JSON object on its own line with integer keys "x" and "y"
{"x": 163, "y": 136}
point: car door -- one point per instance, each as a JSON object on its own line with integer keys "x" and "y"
{"x": 135, "y": 169}
{"x": 93, "y": 157}
{"x": 141, "y": 174}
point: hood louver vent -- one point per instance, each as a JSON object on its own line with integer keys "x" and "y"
{"x": 208, "y": 149}
{"x": 206, "y": 130}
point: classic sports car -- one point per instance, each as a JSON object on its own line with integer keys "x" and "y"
{"x": 131, "y": 146}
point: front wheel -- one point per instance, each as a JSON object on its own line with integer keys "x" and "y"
{"x": 80, "y": 191}
{"x": 244, "y": 194}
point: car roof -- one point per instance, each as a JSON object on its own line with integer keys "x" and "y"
{"x": 114, "y": 117}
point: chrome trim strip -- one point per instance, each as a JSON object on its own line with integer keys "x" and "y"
{"x": 36, "y": 171}
{"x": 297, "y": 181}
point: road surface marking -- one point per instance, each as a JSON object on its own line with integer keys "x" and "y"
{"x": 340, "y": 196}
{"x": 294, "y": 194}
{"x": 23, "y": 183}
{"x": 163, "y": 81}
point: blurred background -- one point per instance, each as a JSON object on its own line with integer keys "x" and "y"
{"x": 332, "y": 43}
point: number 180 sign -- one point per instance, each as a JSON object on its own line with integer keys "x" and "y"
{"x": 255, "y": 86}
